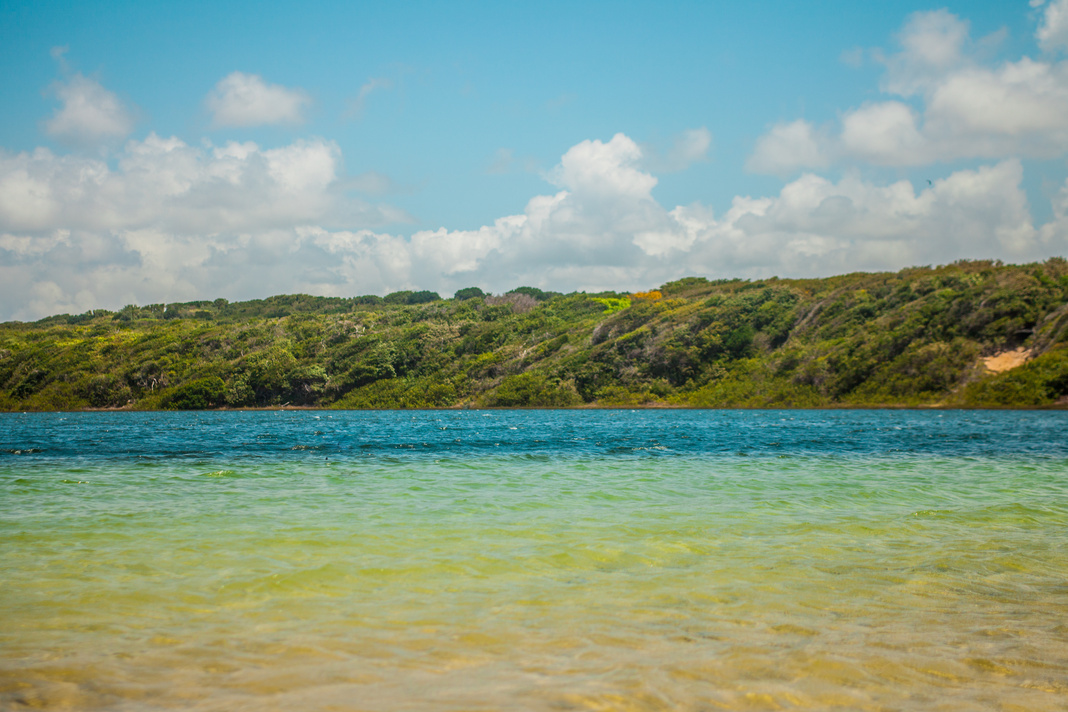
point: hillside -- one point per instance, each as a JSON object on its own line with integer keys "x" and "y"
{"x": 970, "y": 334}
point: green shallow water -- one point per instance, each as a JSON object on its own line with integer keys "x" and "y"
{"x": 535, "y": 582}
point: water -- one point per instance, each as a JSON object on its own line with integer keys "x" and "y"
{"x": 534, "y": 560}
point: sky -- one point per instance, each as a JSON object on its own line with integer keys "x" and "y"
{"x": 167, "y": 152}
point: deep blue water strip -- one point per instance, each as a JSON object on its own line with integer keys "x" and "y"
{"x": 296, "y": 435}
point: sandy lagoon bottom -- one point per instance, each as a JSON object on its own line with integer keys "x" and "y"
{"x": 535, "y": 582}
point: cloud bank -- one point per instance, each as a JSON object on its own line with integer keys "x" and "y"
{"x": 172, "y": 222}
{"x": 161, "y": 220}
{"x": 950, "y": 105}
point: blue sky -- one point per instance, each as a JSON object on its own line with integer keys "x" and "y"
{"x": 151, "y": 152}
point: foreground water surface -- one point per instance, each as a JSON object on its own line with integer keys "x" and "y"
{"x": 534, "y": 560}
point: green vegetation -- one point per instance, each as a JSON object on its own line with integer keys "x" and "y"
{"x": 911, "y": 338}
{"x": 468, "y": 293}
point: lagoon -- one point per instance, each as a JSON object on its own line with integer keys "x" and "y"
{"x": 534, "y": 560}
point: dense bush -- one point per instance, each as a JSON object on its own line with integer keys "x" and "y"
{"x": 196, "y": 395}
{"x": 468, "y": 293}
{"x": 914, "y": 337}
{"x": 531, "y": 390}
{"x": 534, "y": 293}
{"x": 423, "y": 297}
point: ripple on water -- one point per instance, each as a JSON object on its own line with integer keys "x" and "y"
{"x": 545, "y": 573}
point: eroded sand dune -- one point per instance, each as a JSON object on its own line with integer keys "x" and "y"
{"x": 1006, "y": 360}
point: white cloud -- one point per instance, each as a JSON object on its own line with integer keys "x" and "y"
{"x": 1052, "y": 34}
{"x": 593, "y": 168}
{"x": 956, "y": 108}
{"x": 170, "y": 222}
{"x": 932, "y": 45}
{"x": 688, "y": 147}
{"x": 165, "y": 184}
{"x": 371, "y": 183}
{"x": 815, "y": 226}
{"x": 89, "y": 114}
{"x": 1019, "y": 108}
{"x": 241, "y": 99}
{"x": 59, "y": 55}
{"x": 787, "y": 147}
{"x": 885, "y": 133}
{"x": 357, "y": 105}
{"x": 175, "y": 223}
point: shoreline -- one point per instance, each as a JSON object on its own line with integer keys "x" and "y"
{"x": 585, "y": 407}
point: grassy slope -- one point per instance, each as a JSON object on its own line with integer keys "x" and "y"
{"x": 912, "y": 338}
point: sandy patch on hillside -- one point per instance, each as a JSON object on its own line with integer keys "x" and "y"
{"x": 1007, "y": 360}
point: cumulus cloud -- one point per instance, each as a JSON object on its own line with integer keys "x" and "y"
{"x": 241, "y": 99}
{"x": 951, "y": 105}
{"x": 885, "y": 133}
{"x": 1020, "y": 108}
{"x": 818, "y": 226}
{"x": 593, "y": 168}
{"x": 89, "y": 114}
{"x": 813, "y": 227}
{"x": 1053, "y": 31}
{"x": 166, "y": 184}
{"x": 172, "y": 222}
{"x": 932, "y": 45}
{"x": 787, "y": 147}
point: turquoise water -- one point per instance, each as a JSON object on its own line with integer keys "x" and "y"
{"x": 534, "y": 560}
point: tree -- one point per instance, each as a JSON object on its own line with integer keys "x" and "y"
{"x": 196, "y": 395}
{"x": 468, "y": 293}
{"x": 423, "y": 297}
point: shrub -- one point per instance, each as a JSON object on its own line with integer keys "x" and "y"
{"x": 534, "y": 293}
{"x": 468, "y": 293}
{"x": 239, "y": 393}
{"x": 397, "y": 297}
{"x": 105, "y": 390}
{"x": 368, "y": 299}
{"x": 519, "y": 302}
{"x": 531, "y": 389}
{"x": 423, "y": 297}
{"x": 612, "y": 304}
{"x": 200, "y": 394}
